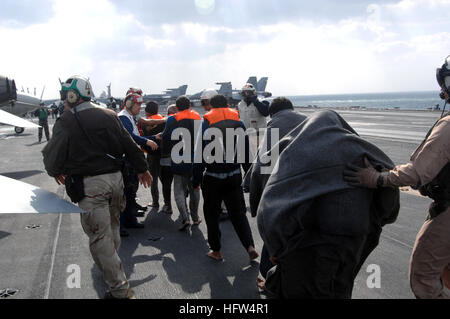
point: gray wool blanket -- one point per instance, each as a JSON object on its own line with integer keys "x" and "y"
{"x": 312, "y": 158}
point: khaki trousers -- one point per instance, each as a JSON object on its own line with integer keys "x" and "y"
{"x": 430, "y": 259}
{"x": 103, "y": 204}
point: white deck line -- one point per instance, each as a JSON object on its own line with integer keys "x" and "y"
{"x": 50, "y": 273}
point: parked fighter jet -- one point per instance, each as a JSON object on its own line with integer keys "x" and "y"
{"x": 234, "y": 96}
{"x": 168, "y": 95}
{"x": 18, "y": 197}
{"x": 14, "y": 105}
{"x": 22, "y": 198}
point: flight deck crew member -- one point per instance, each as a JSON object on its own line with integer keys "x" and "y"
{"x": 221, "y": 180}
{"x": 132, "y": 107}
{"x": 253, "y": 112}
{"x": 87, "y": 145}
{"x": 42, "y": 115}
{"x": 182, "y": 169}
{"x": 54, "y": 109}
{"x": 206, "y": 97}
{"x": 429, "y": 171}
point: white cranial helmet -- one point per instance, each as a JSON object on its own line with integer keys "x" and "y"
{"x": 76, "y": 88}
{"x": 208, "y": 94}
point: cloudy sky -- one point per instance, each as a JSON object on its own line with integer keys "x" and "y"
{"x": 304, "y": 47}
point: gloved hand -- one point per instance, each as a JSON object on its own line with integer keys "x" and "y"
{"x": 252, "y": 98}
{"x": 249, "y": 98}
{"x": 360, "y": 176}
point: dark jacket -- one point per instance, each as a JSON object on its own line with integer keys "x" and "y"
{"x": 42, "y": 115}
{"x": 222, "y": 119}
{"x": 95, "y": 148}
{"x": 184, "y": 120}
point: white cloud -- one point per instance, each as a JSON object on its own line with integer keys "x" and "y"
{"x": 371, "y": 51}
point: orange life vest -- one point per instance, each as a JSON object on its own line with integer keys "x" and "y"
{"x": 221, "y": 114}
{"x": 187, "y": 115}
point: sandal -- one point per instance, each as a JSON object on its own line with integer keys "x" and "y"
{"x": 214, "y": 256}
{"x": 261, "y": 283}
{"x": 184, "y": 225}
{"x": 253, "y": 254}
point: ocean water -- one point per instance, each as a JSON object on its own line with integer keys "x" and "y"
{"x": 393, "y": 100}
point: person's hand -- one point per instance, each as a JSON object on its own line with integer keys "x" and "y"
{"x": 273, "y": 260}
{"x": 360, "y": 176}
{"x": 197, "y": 188}
{"x": 152, "y": 145}
{"x": 145, "y": 179}
{"x": 158, "y": 136}
{"x": 60, "y": 180}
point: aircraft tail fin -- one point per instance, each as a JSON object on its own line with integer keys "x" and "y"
{"x": 225, "y": 88}
{"x": 262, "y": 83}
{"x": 182, "y": 90}
{"x": 252, "y": 80}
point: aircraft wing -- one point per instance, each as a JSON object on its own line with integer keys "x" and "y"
{"x": 8, "y": 118}
{"x": 22, "y": 198}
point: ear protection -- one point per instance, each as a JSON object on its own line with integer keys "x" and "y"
{"x": 72, "y": 97}
{"x": 132, "y": 99}
{"x": 442, "y": 73}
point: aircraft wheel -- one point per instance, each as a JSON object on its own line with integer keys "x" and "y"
{"x": 19, "y": 130}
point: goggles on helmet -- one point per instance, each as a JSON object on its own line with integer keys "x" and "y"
{"x": 134, "y": 91}
{"x": 63, "y": 95}
{"x": 138, "y": 99}
{"x": 442, "y": 73}
{"x": 134, "y": 98}
{"x": 247, "y": 93}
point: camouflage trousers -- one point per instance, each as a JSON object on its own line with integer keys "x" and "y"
{"x": 429, "y": 271}
{"x": 103, "y": 203}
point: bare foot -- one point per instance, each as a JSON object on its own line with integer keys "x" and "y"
{"x": 261, "y": 283}
{"x": 252, "y": 253}
{"x": 216, "y": 255}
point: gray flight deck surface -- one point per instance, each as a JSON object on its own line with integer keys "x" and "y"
{"x": 164, "y": 263}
